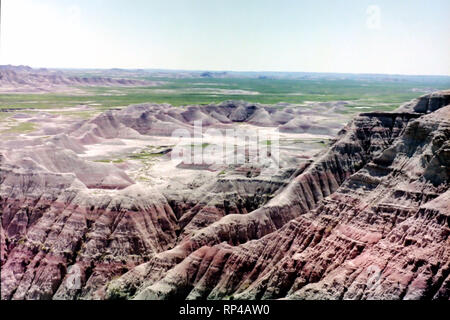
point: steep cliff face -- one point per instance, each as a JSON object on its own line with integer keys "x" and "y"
{"x": 427, "y": 103}
{"x": 53, "y": 225}
{"x": 367, "y": 220}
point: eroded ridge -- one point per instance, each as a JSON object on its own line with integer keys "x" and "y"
{"x": 373, "y": 225}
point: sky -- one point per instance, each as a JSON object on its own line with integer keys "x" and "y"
{"x": 359, "y": 36}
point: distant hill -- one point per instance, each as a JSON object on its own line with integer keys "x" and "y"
{"x": 26, "y": 79}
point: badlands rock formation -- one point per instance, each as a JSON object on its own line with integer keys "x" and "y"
{"x": 366, "y": 218}
{"x": 25, "y": 79}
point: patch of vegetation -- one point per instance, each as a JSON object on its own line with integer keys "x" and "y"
{"x": 22, "y": 241}
{"x": 22, "y": 127}
{"x": 145, "y": 155}
{"x": 116, "y": 293}
{"x": 318, "y": 142}
{"x": 203, "y": 145}
{"x": 322, "y": 143}
{"x": 110, "y": 161}
{"x": 5, "y": 115}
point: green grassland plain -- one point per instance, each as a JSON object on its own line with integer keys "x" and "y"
{"x": 369, "y": 95}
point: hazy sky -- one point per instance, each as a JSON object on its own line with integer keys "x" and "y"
{"x": 406, "y": 37}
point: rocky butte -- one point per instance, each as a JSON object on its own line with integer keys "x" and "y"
{"x": 365, "y": 218}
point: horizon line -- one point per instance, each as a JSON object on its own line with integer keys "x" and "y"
{"x": 232, "y": 71}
